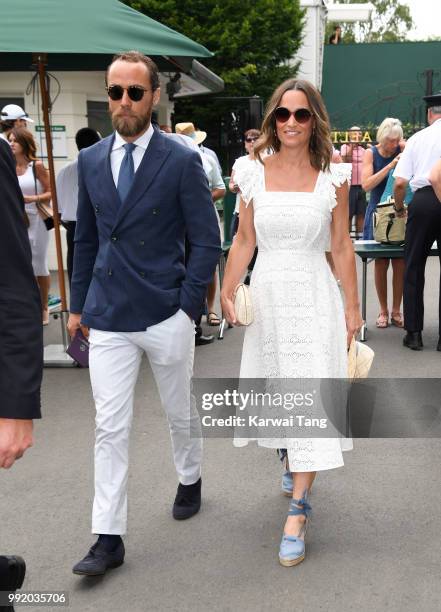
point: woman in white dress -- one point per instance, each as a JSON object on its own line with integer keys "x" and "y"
{"x": 294, "y": 205}
{"x": 34, "y": 182}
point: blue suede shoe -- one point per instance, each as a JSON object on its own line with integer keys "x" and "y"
{"x": 292, "y": 548}
{"x": 287, "y": 483}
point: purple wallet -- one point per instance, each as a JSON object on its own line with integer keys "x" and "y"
{"x": 78, "y": 349}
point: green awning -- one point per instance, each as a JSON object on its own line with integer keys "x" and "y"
{"x": 84, "y": 34}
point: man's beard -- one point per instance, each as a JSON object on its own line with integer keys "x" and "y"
{"x": 130, "y": 124}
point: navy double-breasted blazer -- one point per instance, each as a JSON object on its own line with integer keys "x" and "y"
{"x": 129, "y": 267}
{"x": 21, "y": 333}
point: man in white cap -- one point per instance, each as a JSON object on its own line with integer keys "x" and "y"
{"x": 12, "y": 116}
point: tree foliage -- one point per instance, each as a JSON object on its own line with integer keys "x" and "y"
{"x": 252, "y": 39}
{"x": 390, "y": 22}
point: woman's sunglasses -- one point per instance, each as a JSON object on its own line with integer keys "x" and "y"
{"x": 251, "y": 138}
{"x": 135, "y": 92}
{"x": 301, "y": 115}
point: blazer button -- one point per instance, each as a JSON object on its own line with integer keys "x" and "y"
{"x": 141, "y": 242}
{"x": 97, "y": 209}
{"x": 142, "y": 274}
{"x": 155, "y": 211}
{"x": 110, "y": 272}
{"x": 114, "y": 238}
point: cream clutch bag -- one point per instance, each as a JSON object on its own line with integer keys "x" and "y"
{"x": 360, "y": 358}
{"x": 243, "y": 306}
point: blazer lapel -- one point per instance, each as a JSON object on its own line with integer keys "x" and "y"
{"x": 155, "y": 155}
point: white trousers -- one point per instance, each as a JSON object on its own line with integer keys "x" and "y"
{"x": 114, "y": 361}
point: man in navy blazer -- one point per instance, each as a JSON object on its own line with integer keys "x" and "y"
{"x": 140, "y": 195}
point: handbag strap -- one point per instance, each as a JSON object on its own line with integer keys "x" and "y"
{"x": 389, "y": 226}
{"x": 34, "y": 172}
{"x": 392, "y": 218}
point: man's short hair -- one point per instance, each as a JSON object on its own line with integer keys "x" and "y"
{"x": 436, "y": 110}
{"x": 155, "y": 117}
{"x": 137, "y": 57}
{"x": 7, "y": 125}
{"x": 86, "y": 137}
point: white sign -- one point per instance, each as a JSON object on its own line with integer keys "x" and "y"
{"x": 59, "y": 143}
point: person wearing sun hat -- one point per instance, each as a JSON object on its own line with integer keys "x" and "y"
{"x": 217, "y": 188}
{"x": 189, "y": 130}
{"x": 12, "y": 116}
{"x": 198, "y": 136}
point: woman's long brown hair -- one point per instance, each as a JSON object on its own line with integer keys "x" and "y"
{"x": 320, "y": 145}
{"x": 26, "y": 140}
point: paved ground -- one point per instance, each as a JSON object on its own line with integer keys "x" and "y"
{"x": 373, "y": 543}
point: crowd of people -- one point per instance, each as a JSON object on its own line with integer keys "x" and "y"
{"x": 146, "y": 245}
{"x": 372, "y": 183}
{"x": 390, "y": 170}
{"x": 372, "y": 180}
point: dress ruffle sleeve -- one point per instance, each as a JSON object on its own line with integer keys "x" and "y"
{"x": 339, "y": 174}
{"x": 249, "y": 177}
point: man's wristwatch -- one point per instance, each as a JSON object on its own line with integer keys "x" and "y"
{"x": 398, "y": 209}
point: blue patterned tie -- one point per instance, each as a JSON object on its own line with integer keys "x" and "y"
{"x": 126, "y": 172}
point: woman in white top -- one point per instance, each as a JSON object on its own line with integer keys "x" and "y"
{"x": 294, "y": 204}
{"x": 250, "y": 138}
{"x": 34, "y": 182}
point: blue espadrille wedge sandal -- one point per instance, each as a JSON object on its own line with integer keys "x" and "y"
{"x": 292, "y": 548}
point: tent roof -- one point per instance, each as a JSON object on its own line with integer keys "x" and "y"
{"x": 84, "y": 34}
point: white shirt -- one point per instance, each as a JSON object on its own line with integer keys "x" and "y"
{"x": 184, "y": 140}
{"x": 211, "y": 154}
{"x": 67, "y": 191}
{"x": 211, "y": 169}
{"x": 422, "y": 150}
{"x": 118, "y": 152}
{"x": 215, "y": 180}
{"x": 3, "y": 137}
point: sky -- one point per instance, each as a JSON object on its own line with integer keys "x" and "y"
{"x": 426, "y": 15}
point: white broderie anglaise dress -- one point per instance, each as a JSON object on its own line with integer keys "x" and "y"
{"x": 299, "y": 328}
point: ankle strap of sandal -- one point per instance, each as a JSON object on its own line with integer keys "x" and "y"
{"x": 283, "y": 454}
{"x": 305, "y": 509}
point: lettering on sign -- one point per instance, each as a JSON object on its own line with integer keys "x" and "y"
{"x": 342, "y": 137}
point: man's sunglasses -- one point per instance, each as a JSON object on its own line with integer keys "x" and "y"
{"x": 301, "y": 115}
{"x": 251, "y": 138}
{"x": 135, "y": 92}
